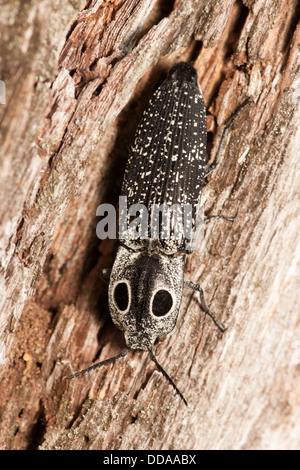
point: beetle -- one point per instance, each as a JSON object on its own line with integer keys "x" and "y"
{"x": 166, "y": 168}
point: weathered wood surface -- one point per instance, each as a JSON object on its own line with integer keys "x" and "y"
{"x": 77, "y": 79}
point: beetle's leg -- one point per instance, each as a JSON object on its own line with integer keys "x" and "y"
{"x": 212, "y": 166}
{"x": 105, "y": 275}
{"x": 230, "y": 219}
{"x": 194, "y": 286}
{"x": 191, "y": 247}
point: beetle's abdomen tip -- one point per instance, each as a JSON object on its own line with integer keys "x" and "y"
{"x": 183, "y": 72}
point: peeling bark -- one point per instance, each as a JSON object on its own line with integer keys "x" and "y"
{"x": 77, "y": 82}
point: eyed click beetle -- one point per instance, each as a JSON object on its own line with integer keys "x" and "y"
{"x": 166, "y": 167}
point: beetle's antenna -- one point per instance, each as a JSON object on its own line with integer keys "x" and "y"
{"x": 122, "y": 354}
{"x": 167, "y": 377}
{"x": 99, "y": 364}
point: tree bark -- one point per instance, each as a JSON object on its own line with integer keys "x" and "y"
{"x": 78, "y": 77}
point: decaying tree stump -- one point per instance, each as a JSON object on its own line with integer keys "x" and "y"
{"x": 78, "y": 76}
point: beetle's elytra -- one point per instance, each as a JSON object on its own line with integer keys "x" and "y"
{"x": 166, "y": 167}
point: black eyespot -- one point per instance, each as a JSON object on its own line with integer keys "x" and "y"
{"x": 121, "y": 296}
{"x": 162, "y": 303}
